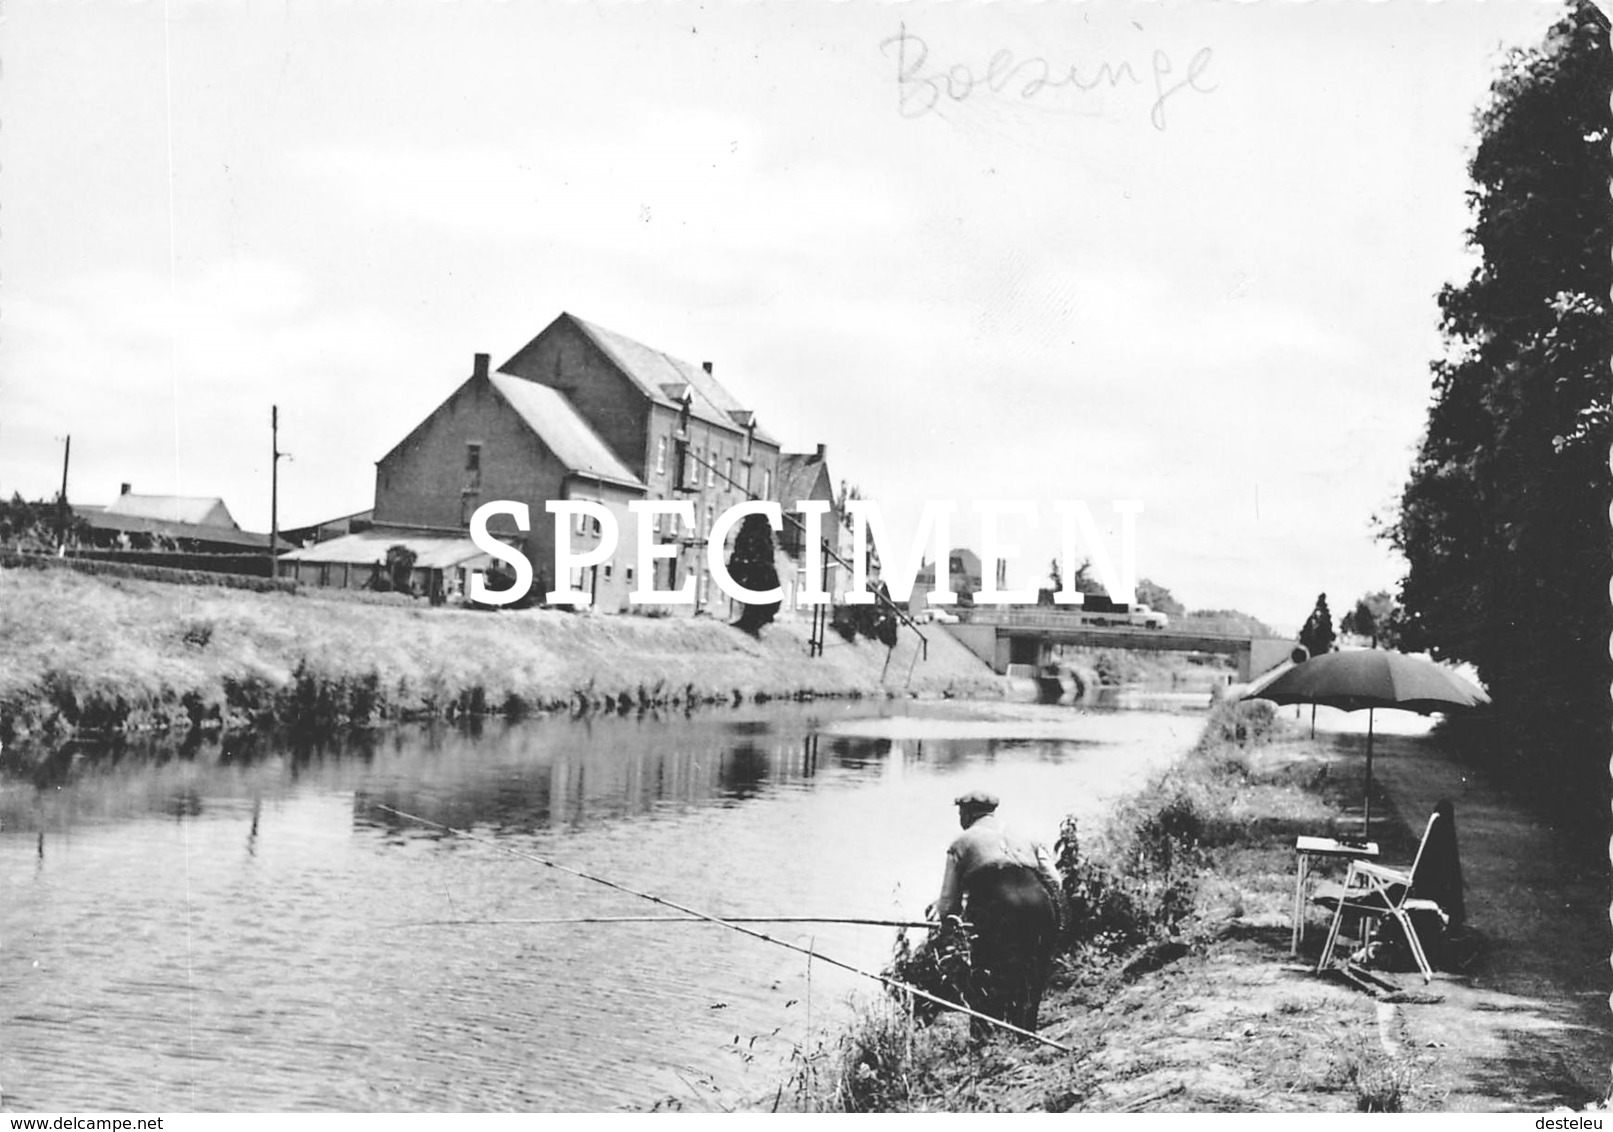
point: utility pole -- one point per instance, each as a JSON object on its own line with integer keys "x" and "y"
{"x": 274, "y": 487}
{"x": 61, "y": 500}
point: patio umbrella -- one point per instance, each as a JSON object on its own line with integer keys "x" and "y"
{"x": 1371, "y": 679}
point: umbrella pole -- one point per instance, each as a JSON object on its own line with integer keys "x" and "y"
{"x": 1313, "y": 721}
{"x": 1366, "y": 824}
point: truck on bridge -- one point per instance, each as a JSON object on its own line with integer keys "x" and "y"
{"x": 1098, "y": 610}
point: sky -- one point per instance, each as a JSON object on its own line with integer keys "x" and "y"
{"x": 1184, "y": 253}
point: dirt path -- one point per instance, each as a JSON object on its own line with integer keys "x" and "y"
{"x": 1239, "y": 1026}
{"x": 1527, "y": 1023}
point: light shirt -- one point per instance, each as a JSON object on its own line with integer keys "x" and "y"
{"x": 985, "y": 844}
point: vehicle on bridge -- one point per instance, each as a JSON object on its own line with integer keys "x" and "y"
{"x": 1098, "y": 610}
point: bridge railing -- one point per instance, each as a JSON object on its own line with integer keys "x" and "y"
{"x": 1041, "y": 618}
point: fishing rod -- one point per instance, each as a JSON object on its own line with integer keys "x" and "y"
{"x": 680, "y": 920}
{"x": 895, "y": 984}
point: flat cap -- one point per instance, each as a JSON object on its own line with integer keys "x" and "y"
{"x": 976, "y": 800}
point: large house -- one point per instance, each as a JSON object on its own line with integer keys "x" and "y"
{"x": 805, "y": 476}
{"x": 579, "y": 413}
{"x": 672, "y": 425}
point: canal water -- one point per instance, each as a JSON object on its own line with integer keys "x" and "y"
{"x": 245, "y": 928}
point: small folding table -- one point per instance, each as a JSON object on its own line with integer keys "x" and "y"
{"x": 1324, "y": 847}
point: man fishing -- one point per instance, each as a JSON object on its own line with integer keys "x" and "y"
{"x": 1004, "y": 885}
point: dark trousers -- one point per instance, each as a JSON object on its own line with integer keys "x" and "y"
{"x": 1015, "y": 929}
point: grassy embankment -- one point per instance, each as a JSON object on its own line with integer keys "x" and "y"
{"x": 1174, "y": 987}
{"x": 86, "y": 654}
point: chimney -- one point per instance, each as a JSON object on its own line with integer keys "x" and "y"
{"x": 124, "y": 488}
{"x": 706, "y": 366}
{"x": 823, "y": 453}
{"x": 480, "y": 367}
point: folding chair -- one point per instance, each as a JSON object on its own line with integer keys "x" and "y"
{"x": 1374, "y": 891}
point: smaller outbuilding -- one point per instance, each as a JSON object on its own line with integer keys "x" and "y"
{"x": 189, "y": 524}
{"x": 430, "y": 564}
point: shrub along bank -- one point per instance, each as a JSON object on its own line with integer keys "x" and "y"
{"x": 1168, "y": 986}
{"x": 92, "y": 654}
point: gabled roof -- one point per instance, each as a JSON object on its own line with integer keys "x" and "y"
{"x": 208, "y": 510}
{"x": 556, "y": 422}
{"x": 659, "y": 376}
{"x": 798, "y": 474}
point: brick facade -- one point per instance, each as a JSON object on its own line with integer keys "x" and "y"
{"x": 641, "y": 416}
{"x": 476, "y": 448}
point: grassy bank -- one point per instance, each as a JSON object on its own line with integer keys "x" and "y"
{"x": 1173, "y": 988}
{"x": 87, "y": 654}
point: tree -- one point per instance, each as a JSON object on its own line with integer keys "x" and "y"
{"x": 1231, "y": 621}
{"x": 753, "y": 566}
{"x": 39, "y": 526}
{"x": 1081, "y": 581}
{"x": 1317, "y": 633}
{"x": 848, "y": 492}
{"x": 1158, "y": 598}
{"x": 1372, "y": 617}
{"x": 1504, "y": 519}
{"x": 398, "y": 573}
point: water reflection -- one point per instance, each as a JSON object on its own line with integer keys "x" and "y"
{"x": 238, "y": 924}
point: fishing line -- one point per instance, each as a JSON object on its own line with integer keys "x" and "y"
{"x": 895, "y": 984}
{"x": 678, "y": 920}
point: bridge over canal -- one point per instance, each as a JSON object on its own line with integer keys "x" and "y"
{"x": 1002, "y": 637}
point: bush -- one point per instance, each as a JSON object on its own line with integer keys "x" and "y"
{"x": 939, "y": 964}
{"x": 1113, "y": 907}
{"x": 876, "y": 621}
{"x": 1240, "y": 723}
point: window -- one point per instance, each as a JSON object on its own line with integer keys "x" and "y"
{"x": 630, "y": 575}
{"x": 955, "y": 565}
{"x": 728, "y": 472}
{"x": 767, "y": 483}
{"x": 607, "y": 571}
{"x": 699, "y": 459}
{"x": 580, "y": 523}
{"x": 660, "y": 455}
{"x": 747, "y": 478}
{"x": 594, "y": 524}
{"x": 473, "y": 457}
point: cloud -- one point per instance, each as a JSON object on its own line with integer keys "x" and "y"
{"x": 171, "y": 387}
{"x": 698, "y": 190}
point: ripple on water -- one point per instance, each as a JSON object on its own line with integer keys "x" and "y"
{"x": 264, "y": 948}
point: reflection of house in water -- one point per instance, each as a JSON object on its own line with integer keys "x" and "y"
{"x": 523, "y": 779}
{"x": 857, "y": 752}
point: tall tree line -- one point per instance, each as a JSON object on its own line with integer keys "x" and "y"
{"x": 1504, "y": 522}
